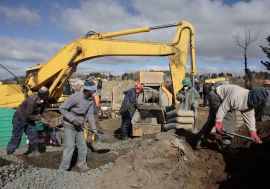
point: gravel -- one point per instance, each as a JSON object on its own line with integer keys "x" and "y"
{"x": 14, "y": 174}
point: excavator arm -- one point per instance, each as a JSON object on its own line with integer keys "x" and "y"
{"x": 63, "y": 64}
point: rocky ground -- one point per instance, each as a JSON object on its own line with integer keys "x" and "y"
{"x": 163, "y": 160}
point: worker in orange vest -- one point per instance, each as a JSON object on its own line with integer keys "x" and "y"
{"x": 96, "y": 108}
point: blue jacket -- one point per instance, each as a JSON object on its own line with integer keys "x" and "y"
{"x": 197, "y": 86}
{"x": 99, "y": 85}
{"x": 129, "y": 103}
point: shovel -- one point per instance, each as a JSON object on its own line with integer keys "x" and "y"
{"x": 241, "y": 136}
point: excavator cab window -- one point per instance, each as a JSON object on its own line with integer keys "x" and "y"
{"x": 66, "y": 89}
{"x": 28, "y": 72}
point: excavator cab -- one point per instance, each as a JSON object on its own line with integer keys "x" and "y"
{"x": 66, "y": 88}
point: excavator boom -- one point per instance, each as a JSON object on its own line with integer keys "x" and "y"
{"x": 63, "y": 64}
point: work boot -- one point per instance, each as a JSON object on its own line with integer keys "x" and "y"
{"x": 35, "y": 151}
{"x": 9, "y": 152}
{"x": 84, "y": 169}
{"x": 28, "y": 152}
{"x": 124, "y": 134}
{"x": 226, "y": 147}
{"x": 194, "y": 131}
{"x": 200, "y": 139}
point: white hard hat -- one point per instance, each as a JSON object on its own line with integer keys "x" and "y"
{"x": 196, "y": 79}
{"x": 213, "y": 81}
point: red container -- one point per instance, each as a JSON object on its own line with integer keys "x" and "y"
{"x": 43, "y": 138}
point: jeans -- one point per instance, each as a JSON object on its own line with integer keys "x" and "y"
{"x": 205, "y": 101}
{"x": 73, "y": 137}
{"x": 126, "y": 122}
{"x": 99, "y": 92}
{"x": 55, "y": 136}
{"x": 20, "y": 126}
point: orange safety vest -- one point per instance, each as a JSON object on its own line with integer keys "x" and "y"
{"x": 96, "y": 100}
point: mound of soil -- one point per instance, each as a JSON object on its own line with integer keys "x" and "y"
{"x": 157, "y": 163}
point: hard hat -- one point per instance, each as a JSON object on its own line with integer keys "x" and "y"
{"x": 98, "y": 78}
{"x": 213, "y": 81}
{"x": 139, "y": 86}
{"x": 266, "y": 82}
{"x": 196, "y": 80}
{"x": 186, "y": 81}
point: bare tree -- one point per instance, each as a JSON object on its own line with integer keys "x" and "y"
{"x": 244, "y": 40}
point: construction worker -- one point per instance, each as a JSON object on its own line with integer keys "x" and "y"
{"x": 95, "y": 109}
{"x": 264, "y": 108}
{"x": 197, "y": 85}
{"x": 99, "y": 87}
{"x": 212, "y": 86}
{"x": 24, "y": 121}
{"x": 128, "y": 108}
{"x": 74, "y": 110}
{"x": 222, "y": 101}
{"x": 205, "y": 94}
{"x": 189, "y": 99}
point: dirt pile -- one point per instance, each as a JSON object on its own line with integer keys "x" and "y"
{"x": 115, "y": 88}
{"x": 263, "y": 130}
{"x": 162, "y": 162}
{"x": 157, "y": 163}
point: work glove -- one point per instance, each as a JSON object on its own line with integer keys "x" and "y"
{"x": 44, "y": 121}
{"x": 75, "y": 122}
{"x": 52, "y": 125}
{"x": 77, "y": 126}
{"x": 254, "y": 135}
{"x": 219, "y": 127}
{"x": 194, "y": 106}
{"x": 95, "y": 131}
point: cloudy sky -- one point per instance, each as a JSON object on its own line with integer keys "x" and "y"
{"x": 33, "y": 31}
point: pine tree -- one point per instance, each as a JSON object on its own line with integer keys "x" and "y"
{"x": 266, "y": 50}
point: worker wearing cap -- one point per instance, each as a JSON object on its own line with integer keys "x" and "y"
{"x": 197, "y": 85}
{"x": 74, "y": 110}
{"x": 128, "y": 108}
{"x": 264, "y": 108}
{"x": 24, "y": 120}
{"x": 99, "y": 87}
{"x": 189, "y": 99}
{"x": 212, "y": 86}
{"x": 223, "y": 100}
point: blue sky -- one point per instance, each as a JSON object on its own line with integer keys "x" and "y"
{"x": 33, "y": 31}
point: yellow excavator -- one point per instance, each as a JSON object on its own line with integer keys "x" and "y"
{"x": 56, "y": 71}
{"x": 213, "y": 78}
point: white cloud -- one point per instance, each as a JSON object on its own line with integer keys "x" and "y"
{"x": 13, "y": 68}
{"x": 27, "y": 50}
{"x": 214, "y": 24}
{"x": 20, "y": 14}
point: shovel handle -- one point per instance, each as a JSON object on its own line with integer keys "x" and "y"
{"x": 241, "y": 136}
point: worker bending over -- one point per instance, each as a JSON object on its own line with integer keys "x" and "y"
{"x": 222, "y": 101}
{"x": 74, "y": 110}
{"x": 24, "y": 120}
{"x": 189, "y": 99}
